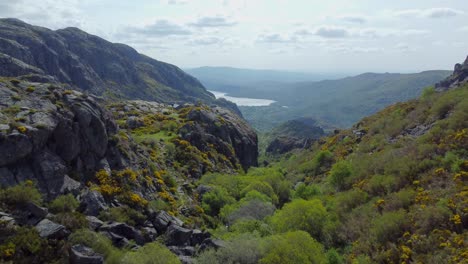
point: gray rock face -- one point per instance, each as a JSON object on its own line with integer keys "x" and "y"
{"x": 51, "y": 230}
{"x": 91, "y": 63}
{"x": 92, "y": 203}
{"x": 163, "y": 219}
{"x": 294, "y": 134}
{"x": 178, "y": 236}
{"x": 94, "y": 222}
{"x": 125, "y": 231}
{"x": 80, "y": 254}
{"x": 50, "y": 134}
{"x": 14, "y": 147}
{"x": 230, "y": 135}
{"x": 283, "y": 144}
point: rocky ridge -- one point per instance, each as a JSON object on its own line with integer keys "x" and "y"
{"x": 114, "y": 156}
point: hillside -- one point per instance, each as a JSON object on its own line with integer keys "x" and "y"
{"x": 340, "y": 102}
{"x": 93, "y": 64}
{"x": 392, "y": 189}
{"x": 73, "y": 164}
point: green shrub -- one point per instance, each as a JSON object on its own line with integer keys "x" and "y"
{"x": 306, "y": 192}
{"x": 381, "y": 184}
{"x": 99, "y": 243}
{"x": 310, "y": 216}
{"x": 215, "y": 199}
{"x": 432, "y": 217}
{"x": 151, "y": 253}
{"x": 243, "y": 249}
{"x": 346, "y": 201}
{"x": 251, "y": 226}
{"x": 333, "y": 257}
{"x": 252, "y": 209}
{"x": 158, "y": 205}
{"x": 63, "y": 203}
{"x": 389, "y": 226}
{"x": 339, "y": 174}
{"x": 71, "y": 220}
{"x": 261, "y": 187}
{"x": 21, "y": 194}
{"x": 400, "y": 200}
{"x": 293, "y": 247}
{"x": 123, "y": 214}
{"x": 25, "y": 241}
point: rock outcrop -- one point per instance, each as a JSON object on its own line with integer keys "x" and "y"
{"x": 294, "y": 134}
{"x": 226, "y": 132}
{"x": 458, "y": 78}
{"x": 55, "y": 137}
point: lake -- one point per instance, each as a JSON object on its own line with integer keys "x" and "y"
{"x": 241, "y": 101}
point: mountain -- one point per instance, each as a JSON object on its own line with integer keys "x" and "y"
{"x": 93, "y": 64}
{"x": 228, "y": 79}
{"x": 339, "y": 103}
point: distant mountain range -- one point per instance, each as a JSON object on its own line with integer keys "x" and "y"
{"x": 339, "y": 102}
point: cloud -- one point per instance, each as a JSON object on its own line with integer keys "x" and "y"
{"x": 441, "y": 12}
{"x": 331, "y": 32}
{"x": 275, "y": 38}
{"x": 159, "y": 28}
{"x": 48, "y": 13}
{"x": 212, "y": 22}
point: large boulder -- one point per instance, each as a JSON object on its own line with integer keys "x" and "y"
{"x": 123, "y": 230}
{"x": 51, "y": 230}
{"x": 178, "y": 236}
{"x": 80, "y": 254}
{"x": 163, "y": 219}
{"x": 92, "y": 203}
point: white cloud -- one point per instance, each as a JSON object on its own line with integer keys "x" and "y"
{"x": 441, "y": 12}
{"x": 159, "y": 28}
{"x": 358, "y": 19}
{"x": 49, "y": 13}
{"x": 213, "y": 22}
{"x": 275, "y": 38}
{"x": 331, "y": 32}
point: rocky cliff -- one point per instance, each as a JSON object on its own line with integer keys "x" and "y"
{"x": 458, "y": 78}
{"x": 93, "y": 64}
{"x": 294, "y": 134}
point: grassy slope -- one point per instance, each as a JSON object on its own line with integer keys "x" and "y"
{"x": 396, "y": 194}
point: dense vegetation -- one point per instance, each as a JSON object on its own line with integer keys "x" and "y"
{"x": 392, "y": 190}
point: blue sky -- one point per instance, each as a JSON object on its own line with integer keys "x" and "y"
{"x": 304, "y": 35}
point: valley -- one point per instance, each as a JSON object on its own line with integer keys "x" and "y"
{"x": 110, "y": 156}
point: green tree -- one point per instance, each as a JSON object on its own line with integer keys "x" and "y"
{"x": 293, "y": 247}
{"x": 339, "y": 174}
{"x": 215, "y": 199}
{"x": 310, "y": 216}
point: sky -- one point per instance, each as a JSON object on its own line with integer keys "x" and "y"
{"x": 332, "y": 36}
